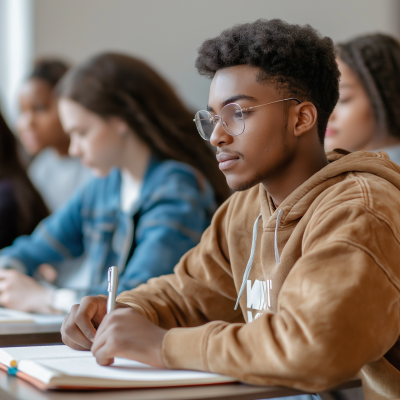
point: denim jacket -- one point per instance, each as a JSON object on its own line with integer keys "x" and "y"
{"x": 175, "y": 206}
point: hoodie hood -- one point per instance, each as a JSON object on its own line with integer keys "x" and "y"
{"x": 299, "y": 202}
{"x": 340, "y": 162}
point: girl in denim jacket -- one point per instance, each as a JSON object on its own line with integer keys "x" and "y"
{"x": 156, "y": 189}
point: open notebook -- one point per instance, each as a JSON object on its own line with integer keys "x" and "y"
{"x": 14, "y": 317}
{"x": 52, "y": 367}
{"x": 8, "y": 316}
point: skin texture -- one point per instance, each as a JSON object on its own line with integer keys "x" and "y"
{"x": 352, "y": 125}
{"x": 272, "y": 148}
{"x": 21, "y": 292}
{"x": 279, "y": 149}
{"x": 38, "y": 124}
{"x": 101, "y": 144}
{"x": 88, "y": 326}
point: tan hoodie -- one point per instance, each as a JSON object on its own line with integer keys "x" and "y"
{"x": 332, "y": 254}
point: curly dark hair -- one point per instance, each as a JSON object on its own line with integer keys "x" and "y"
{"x": 375, "y": 59}
{"x": 296, "y": 58}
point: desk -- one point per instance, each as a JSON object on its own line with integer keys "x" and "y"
{"x": 44, "y": 329}
{"x": 12, "y": 388}
{"x": 29, "y": 334}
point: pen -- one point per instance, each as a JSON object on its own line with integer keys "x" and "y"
{"x": 112, "y": 288}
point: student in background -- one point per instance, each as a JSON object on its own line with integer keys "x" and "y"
{"x": 54, "y": 173}
{"x": 157, "y": 188}
{"x": 367, "y": 115}
{"x": 21, "y": 207}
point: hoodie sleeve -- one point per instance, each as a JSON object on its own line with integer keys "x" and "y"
{"x": 337, "y": 310}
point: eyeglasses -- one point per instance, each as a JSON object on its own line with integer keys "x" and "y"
{"x": 231, "y": 118}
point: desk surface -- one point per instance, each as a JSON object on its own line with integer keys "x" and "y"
{"x": 13, "y": 388}
{"x": 29, "y": 334}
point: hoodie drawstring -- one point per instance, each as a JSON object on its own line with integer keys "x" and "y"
{"x": 253, "y": 250}
{"x": 250, "y": 262}
{"x": 278, "y": 221}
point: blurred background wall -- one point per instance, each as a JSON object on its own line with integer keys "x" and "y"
{"x": 165, "y": 33}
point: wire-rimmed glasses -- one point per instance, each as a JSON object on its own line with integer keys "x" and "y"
{"x": 231, "y": 118}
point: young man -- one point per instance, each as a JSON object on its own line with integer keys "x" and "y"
{"x": 322, "y": 232}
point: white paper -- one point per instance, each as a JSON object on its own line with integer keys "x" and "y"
{"x": 122, "y": 369}
{"x": 61, "y": 365}
{"x": 13, "y": 317}
{"x": 40, "y": 352}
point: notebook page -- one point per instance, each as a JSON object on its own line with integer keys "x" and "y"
{"x": 43, "y": 319}
{"x": 58, "y": 365}
{"x": 13, "y": 317}
{"x": 39, "y": 352}
{"x": 121, "y": 370}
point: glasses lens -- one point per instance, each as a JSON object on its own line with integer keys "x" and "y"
{"x": 232, "y": 119}
{"x": 204, "y": 123}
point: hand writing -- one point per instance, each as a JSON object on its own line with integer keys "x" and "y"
{"x": 126, "y": 333}
{"x": 79, "y": 326}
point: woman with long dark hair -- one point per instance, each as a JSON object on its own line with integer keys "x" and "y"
{"x": 367, "y": 115}
{"x": 21, "y": 207}
{"x": 158, "y": 185}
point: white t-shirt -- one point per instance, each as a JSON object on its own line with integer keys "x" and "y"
{"x": 130, "y": 191}
{"x": 56, "y": 177}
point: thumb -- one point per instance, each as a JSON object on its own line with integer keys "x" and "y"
{"x": 89, "y": 310}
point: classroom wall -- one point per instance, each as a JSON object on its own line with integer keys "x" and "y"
{"x": 167, "y": 32}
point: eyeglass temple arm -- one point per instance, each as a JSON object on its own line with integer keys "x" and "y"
{"x": 266, "y": 104}
{"x": 278, "y": 101}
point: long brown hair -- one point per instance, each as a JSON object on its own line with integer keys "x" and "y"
{"x": 375, "y": 59}
{"x": 31, "y": 208}
{"x": 119, "y": 85}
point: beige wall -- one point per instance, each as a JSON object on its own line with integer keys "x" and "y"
{"x": 167, "y": 32}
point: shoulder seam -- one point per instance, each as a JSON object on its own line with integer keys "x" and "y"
{"x": 391, "y": 277}
{"x": 361, "y": 181}
{"x": 380, "y": 217}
